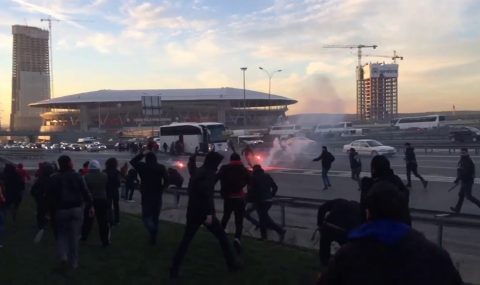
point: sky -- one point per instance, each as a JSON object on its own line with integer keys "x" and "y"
{"x": 130, "y": 44}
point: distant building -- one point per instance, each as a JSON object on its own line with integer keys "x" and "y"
{"x": 30, "y": 76}
{"x": 377, "y": 91}
{"x": 113, "y": 110}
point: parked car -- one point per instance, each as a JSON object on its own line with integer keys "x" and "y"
{"x": 370, "y": 147}
{"x": 465, "y": 134}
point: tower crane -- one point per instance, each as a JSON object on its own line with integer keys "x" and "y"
{"x": 394, "y": 57}
{"x": 49, "y": 20}
{"x": 358, "y": 47}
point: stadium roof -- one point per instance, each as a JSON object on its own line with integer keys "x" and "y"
{"x": 172, "y": 95}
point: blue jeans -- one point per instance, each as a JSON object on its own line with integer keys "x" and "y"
{"x": 326, "y": 180}
{"x": 150, "y": 214}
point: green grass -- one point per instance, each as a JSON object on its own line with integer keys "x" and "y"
{"x": 130, "y": 260}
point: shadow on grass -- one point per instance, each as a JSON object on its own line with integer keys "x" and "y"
{"x": 130, "y": 260}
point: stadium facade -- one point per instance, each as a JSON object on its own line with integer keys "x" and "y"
{"x": 116, "y": 109}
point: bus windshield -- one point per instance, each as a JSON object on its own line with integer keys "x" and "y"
{"x": 216, "y": 133}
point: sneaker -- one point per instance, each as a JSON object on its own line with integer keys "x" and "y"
{"x": 453, "y": 209}
{"x": 237, "y": 245}
{"x": 38, "y": 237}
{"x": 425, "y": 184}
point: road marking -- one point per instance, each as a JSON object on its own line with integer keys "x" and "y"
{"x": 336, "y": 173}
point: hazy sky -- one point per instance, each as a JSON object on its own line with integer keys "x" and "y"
{"x": 128, "y": 44}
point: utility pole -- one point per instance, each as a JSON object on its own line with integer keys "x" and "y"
{"x": 270, "y": 75}
{"x": 244, "y": 100}
{"x": 49, "y": 20}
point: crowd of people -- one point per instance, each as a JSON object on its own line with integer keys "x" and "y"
{"x": 378, "y": 244}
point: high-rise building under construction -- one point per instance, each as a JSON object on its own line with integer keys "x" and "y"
{"x": 30, "y": 76}
{"x": 377, "y": 91}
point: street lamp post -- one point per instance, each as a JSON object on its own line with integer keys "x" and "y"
{"x": 270, "y": 75}
{"x": 244, "y": 100}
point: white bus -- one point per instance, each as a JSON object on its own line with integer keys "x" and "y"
{"x": 334, "y": 129}
{"x": 205, "y": 136}
{"x": 422, "y": 122}
{"x": 284, "y": 130}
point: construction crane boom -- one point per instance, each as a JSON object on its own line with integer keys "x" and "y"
{"x": 50, "y": 56}
{"x": 358, "y": 47}
{"x": 394, "y": 57}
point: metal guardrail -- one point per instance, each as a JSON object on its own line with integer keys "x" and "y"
{"x": 438, "y": 218}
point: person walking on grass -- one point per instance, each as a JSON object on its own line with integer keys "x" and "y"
{"x": 412, "y": 166}
{"x": 130, "y": 183}
{"x": 327, "y": 159}
{"x": 261, "y": 191}
{"x": 39, "y": 192}
{"x": 14, "y": 188}
{"x": 96, "y": 181}
{"x": 233, "y": 178}
{"x": 201, "y": 211}
{"x": 69, "y": 195}
{"x": 154, "y": 180}
{"x": 466, "y": 178}
{"x": 113, "y": 192}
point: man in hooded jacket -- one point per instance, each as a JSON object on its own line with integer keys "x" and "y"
{"x": 466, "y": 177}
{"x": 386, "y": 250}
{"x": 154, "y": 179}
{"x": 381, "y": 171}
{"x": 201, "y": 211}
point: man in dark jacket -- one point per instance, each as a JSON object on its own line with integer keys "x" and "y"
{"x": 381, "y": 171}
{"x": 201, "y": 210}
{"x": 466, "y": 177}
{"x": 233, "y": 178}
{"x": 97, "y": 184}
{"x": 14, "y": 187}
{"x": 69, "y": 195}
{"x": 154, "y": 179}
{"x": 261, "y": 191}
{"x": 113, "y": 192}
{"x": 327, "y": 159}
{"x": 355, "y": 164}
{"x": 335, "y": 219}
{"x": 412, "y": 166}
{"x": 385, "y": 250}
{"x": 39, "y": 192}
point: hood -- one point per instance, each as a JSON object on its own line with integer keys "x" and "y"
{"x": 388, "y": 232}
{"x": 212, "y": 160}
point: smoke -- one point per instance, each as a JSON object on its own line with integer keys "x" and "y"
{"x": 317, "y": 95}
{"x": 288, "y": 152}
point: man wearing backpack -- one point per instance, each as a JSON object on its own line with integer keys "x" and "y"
{"x": 327, "y": 159}
{"x": 233, "y": 178}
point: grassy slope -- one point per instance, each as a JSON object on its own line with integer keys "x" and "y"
{"x": 131, "y": 261}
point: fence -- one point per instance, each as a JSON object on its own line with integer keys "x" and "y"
{"x": 437, "y": 218}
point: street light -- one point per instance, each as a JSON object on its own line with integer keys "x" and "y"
{"x": 244, "y": 99}
{"x": 270, "y": 75}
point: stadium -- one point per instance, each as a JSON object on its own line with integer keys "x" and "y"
{"x": 113, "y": 110}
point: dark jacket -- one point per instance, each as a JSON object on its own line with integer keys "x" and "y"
{"x": 97, "y": 184}
{"x": 41, "y": 186}
{"x": 262, "y": 187}
{"x": 410, "y": 155}
{"x": 327, "y": 159}
{"x": 465, "y": 170}
{"x": 132, "y": 178}
{"x": 233, "y": 178}
{"x": 368, "y": 182}
{"x": 202, "y": 187}
{"x": 355, "y": 161}
{"x": 68, "y": 190}
{"x": 386, "y": 252}
{"x": 342, "y": 214}
{"x": 153, "y": 177}
{"x": 113, "y": 182}
{"x": 14, "y": 184}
